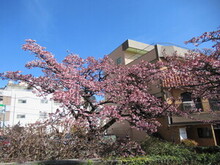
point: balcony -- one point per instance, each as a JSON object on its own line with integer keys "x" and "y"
{"x": 191, "y": 106}
{"x": 208, "y": 112}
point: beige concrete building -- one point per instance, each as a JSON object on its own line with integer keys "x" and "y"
{"x": 174, "y": 128}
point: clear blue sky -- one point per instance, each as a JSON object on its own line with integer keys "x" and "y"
{"x": 96, "y": 27}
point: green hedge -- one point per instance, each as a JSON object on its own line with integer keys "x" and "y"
{"x": 162, "y": 152}
{"x": 211, "y": 149}
{"x": 154, "y": 160}
{"x": 200, "y": 159}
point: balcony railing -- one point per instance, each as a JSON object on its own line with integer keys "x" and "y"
{"x": 188, "y": 106}
{"x": 193, "y": 106}
{"x": 210, "y": 111}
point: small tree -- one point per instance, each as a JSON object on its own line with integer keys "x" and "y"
{"x": 97, "y": 93}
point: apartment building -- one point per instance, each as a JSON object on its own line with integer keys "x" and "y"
{"x": 174, "y": 128}
{"x": 18, "y": 104}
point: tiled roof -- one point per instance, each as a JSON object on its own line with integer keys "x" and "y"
{"x": 177, "y": 81}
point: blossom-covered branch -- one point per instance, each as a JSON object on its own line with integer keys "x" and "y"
{"x": 97, "y": 93}
{"x": 199, "y": 70}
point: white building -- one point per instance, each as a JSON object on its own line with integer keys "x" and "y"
{"x": 22, "y": 105}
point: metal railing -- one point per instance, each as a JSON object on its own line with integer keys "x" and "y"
{"x": 201, "y": 106}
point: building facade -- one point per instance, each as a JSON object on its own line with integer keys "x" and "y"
{"x": 173, "y": 128}
{"x": 21, "y": 105}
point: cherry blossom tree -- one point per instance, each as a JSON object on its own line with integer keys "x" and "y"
{"x": 199, "y": 70}
{"x": 96, "y": 93}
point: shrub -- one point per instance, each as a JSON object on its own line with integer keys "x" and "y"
{"x": 209, "y": 149}
{"x": 154, "y": 146}
{"x": 169, "y": 153}
{"x": 156, "y": 160}
{"x": 208, "y": 159}
{"x": 52, "y": 141}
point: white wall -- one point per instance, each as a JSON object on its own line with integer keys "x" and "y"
{"x": 31, "y": 108}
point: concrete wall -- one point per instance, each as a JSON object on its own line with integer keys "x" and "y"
{"x": 128, "y": 55}
{"x": 193, "y": 134}
{"x": 171, "y": 50}
{"x": 171, "y": 133}
{"x": 118, "y": 52}
{"x": 123, "y": 129}
{"x": 168, "y": 133}
{"x": 7, "y": 100}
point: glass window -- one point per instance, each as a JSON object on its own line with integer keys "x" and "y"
{"x": 198, "y": 103}
{"x": 214, "y": 104}
{"x": 20, "y": 116}
{"x": 190, "y": 104}
{"x": 119, "y": 60}
{"x": 204, "y": 132}
{"x": 23, "y": 101}
{"x": 1, "y": 98}
{"x": 183, "y": 133}
{"x": 56, "y": 103}
{"x": 44, "y": 101}
{"x": 186, "y": 96}
{"x": 43, "y": 115}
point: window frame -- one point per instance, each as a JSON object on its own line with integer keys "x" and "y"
{"x": 21, "y": 116}
{"x": 119, "y": 61}
{"x": 204, "y": 132}
{"x": 43, "y": 114}
{"x": 44, "y": 101}
{"x": 22, "y": 101}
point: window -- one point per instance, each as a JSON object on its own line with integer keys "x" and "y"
{"x": 56, "y": 103}
{"x": 198, "y": 103}
{"x": 204, "y": 132}
{"x": 1, "y": 98}
{"x": 187, "y": 103}
{"x": 183, "y": 133}
{"x": 22, "y": 101}
{"x": 118, "y": 61}
{"x": 44, "y": 101}
{"x": 186, "y": 96}
{"x": 20, "y": 116}
{"x": 43, "y": 115}
{"x": 190, "y": 104}
{"x": 214, "y": 104}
